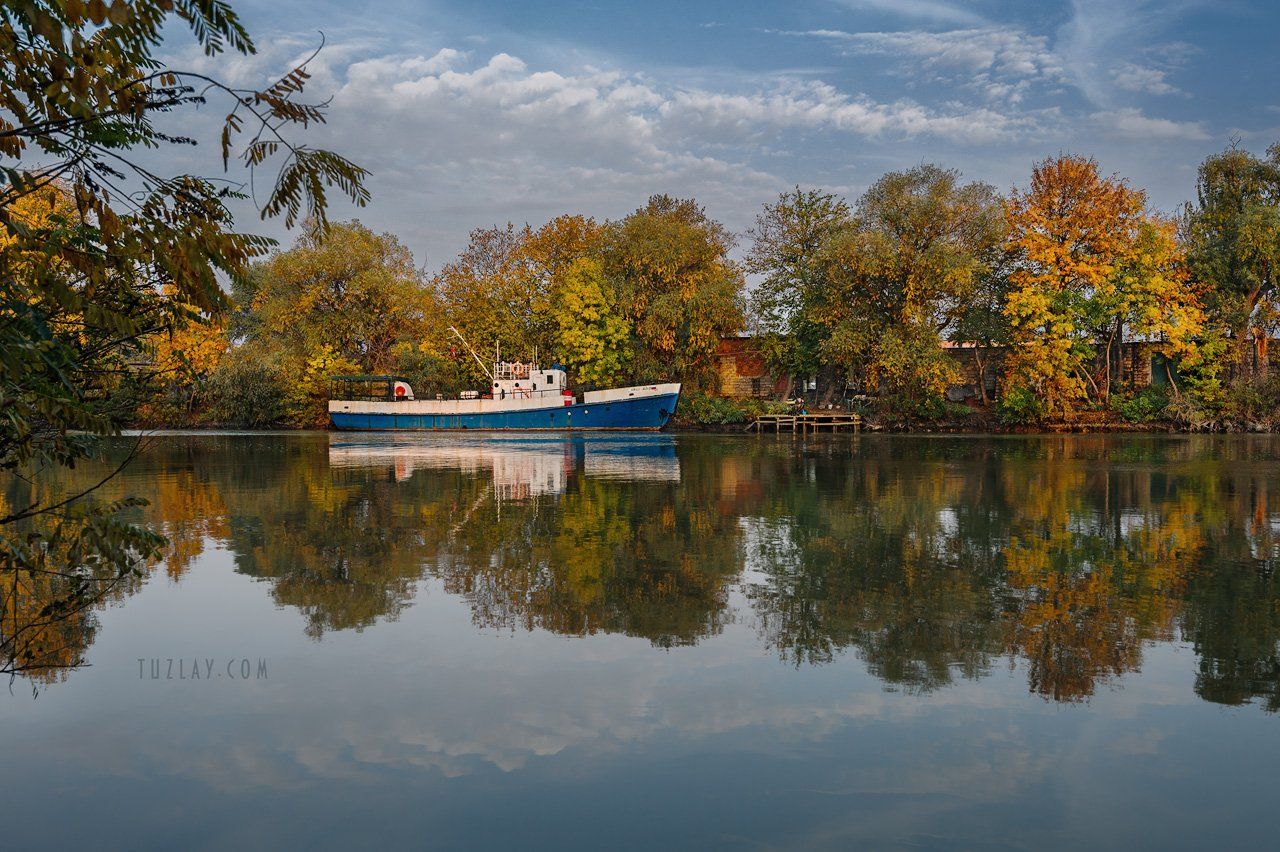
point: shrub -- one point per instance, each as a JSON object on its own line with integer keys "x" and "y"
{"x": 306, "y": 396}
{"x": 246, "y": 393}
{"x": 1253, "y": 401}
{"x": 705, "y": 410}
{"x": 1186, "y": 410}
{"x": 1019, "y": 406}
{"x": 930, "y": 407}
{"x": 1148, "y": 404}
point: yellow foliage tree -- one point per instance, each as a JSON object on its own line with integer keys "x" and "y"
{"x": 499, "y": 290}
{"x": 44, "y": 208}
{"x": 185, "y": 358}
{"x": 1158, "y": 301}
{"x": 47, "y": 209}
{"x": 1091, "y": 263}
{"x": 590, "y": 335}
{"x": 307, "y": 394}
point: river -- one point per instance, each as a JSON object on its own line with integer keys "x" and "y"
{"x": 653, "y": 641}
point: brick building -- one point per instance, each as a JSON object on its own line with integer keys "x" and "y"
{"x": 743, "y": 372}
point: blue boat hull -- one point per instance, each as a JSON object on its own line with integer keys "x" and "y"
{"x": 649, "y": 413}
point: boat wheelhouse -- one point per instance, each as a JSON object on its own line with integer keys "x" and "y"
{"x": 367, "y": 388}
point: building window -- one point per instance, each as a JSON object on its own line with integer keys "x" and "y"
{"x": 755, "y": 387}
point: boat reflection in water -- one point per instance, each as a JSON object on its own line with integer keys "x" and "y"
{"x": 576, "y": 534}
{"x": 520, "y": 467}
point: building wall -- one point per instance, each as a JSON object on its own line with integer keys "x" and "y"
{"x": 743, "y": 372}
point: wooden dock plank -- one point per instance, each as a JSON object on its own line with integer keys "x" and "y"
{"x": 833, "y": 421}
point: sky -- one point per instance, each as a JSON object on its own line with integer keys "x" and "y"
{"x": 475, "y": 113}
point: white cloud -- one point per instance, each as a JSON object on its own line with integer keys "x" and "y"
{"x": 1000, "y": 62}
{"x": 462, "y": 138}
{"x": 928, "y": 10}
{"x": 1099, "y": 31}
{"x": 1132, "y": 124}
{"x": 1140, "y": 78}
{"x": 818, "y": 106}
{"x": 474, "y": 139}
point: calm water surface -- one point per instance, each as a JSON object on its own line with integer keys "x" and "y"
{"x": 670, "y": 642}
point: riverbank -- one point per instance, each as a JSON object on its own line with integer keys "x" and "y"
{"x": 975, "y": 426}
{"x": 984, "y": 428}
{"x": 737, "y": 417}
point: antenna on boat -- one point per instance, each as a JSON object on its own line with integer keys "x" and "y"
{"x": 473, "y": 352}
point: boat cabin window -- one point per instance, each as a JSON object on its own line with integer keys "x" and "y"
{"x": 366, "y": 388}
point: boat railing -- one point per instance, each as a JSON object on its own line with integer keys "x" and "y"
{"x": 527, "y": 393}
{"x": 512, "y": 371}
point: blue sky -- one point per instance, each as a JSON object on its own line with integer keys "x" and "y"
{"x": 472, "y": 113}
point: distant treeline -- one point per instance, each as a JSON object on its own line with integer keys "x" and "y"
{"x": 1055, "y": 276}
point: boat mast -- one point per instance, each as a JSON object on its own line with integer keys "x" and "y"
{"x": 473, "y": 352}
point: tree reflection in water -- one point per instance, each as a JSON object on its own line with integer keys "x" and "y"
{"x": 930, "y": 559}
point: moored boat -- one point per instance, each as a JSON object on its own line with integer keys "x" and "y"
{"x": 521, "y": 396}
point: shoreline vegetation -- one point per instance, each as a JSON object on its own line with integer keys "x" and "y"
{"x": 1075, "y": 307}
{"x": 719, "y": 415}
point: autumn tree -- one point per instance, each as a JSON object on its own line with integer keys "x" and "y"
{"x": 1091, "y": 264}
{"x": 183, "y": 362}
{"x": 676, "y": 285}
{"x": 340, "y": 300}
{"x": 1157, "y": 301}
{"x": 1233, "y": 232}
{"x": 1071, "y": 228}
{"x": 345, "y": 287}
{"x": 500, "y": 288}
{"x": 591, "y": 336}
{"x": 898, "y": 276}
{"x": 786, "y": 244}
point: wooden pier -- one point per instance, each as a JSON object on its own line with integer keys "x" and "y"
{"x": 825, "y": 421}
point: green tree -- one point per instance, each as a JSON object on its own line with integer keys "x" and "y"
{"x": 983, "y": 322}
{"x": 132, "y": 254}
{"x": 669, "y": 264}
{"x": 899, "y": 277}
{"x": 1233, "y": 236}
{"x": 786, "y": 244}
{"x": 344, "y": 287}
{"x": 340, "y": 300}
